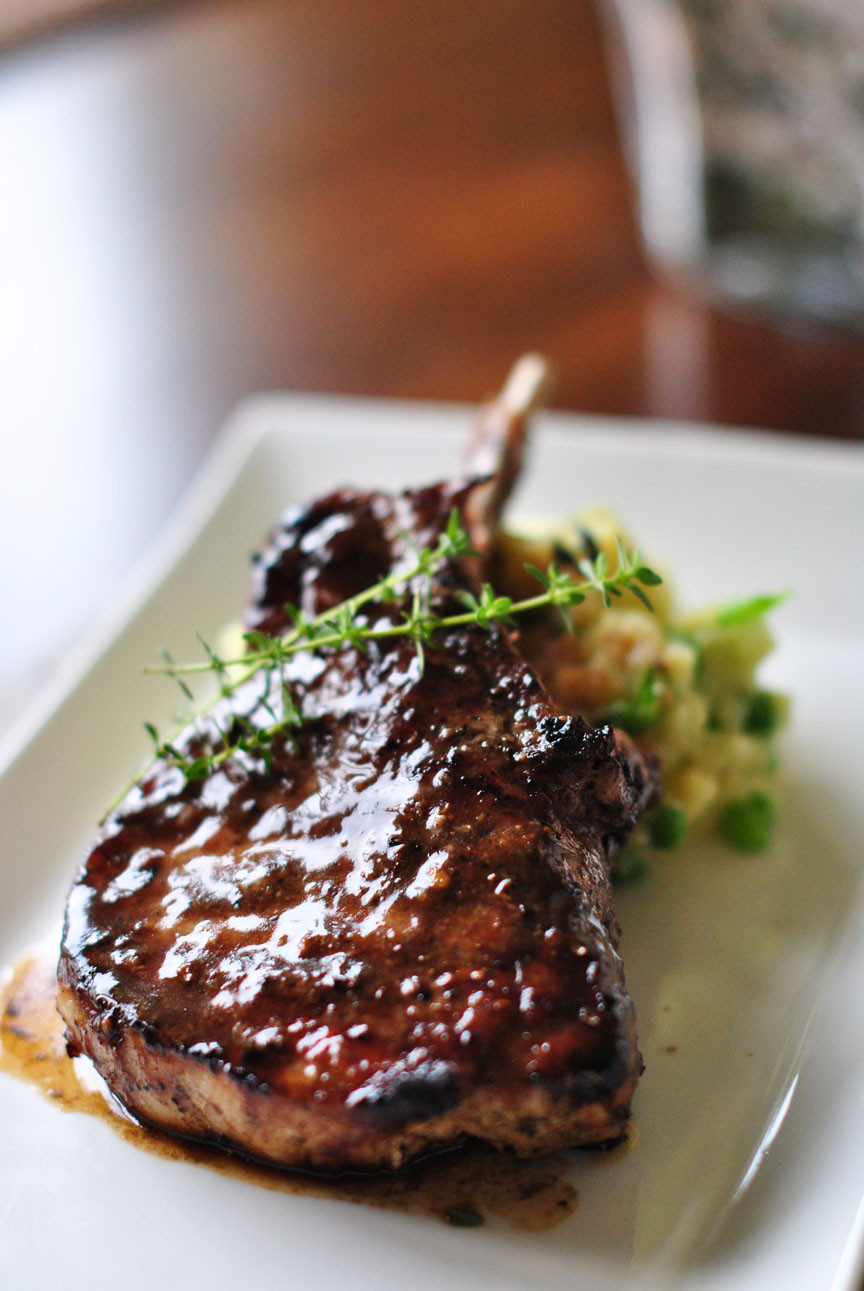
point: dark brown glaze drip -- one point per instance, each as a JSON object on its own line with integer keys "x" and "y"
{"x": 411, "y": 905}
{"x": 457, "y": 1187}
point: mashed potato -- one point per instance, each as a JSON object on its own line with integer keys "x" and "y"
{"x": 683, "y": 685}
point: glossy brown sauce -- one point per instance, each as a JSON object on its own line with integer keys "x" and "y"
{"x": 464, "y": 1187}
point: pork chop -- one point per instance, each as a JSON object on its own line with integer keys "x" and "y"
{"x": 397, "y": 935}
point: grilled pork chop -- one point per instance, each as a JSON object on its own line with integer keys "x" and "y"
{"x": 400, "y": 934}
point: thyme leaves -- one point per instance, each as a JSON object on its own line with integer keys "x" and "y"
{"x": 407, "y": 590}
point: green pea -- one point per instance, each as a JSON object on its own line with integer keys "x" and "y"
{"x": 667, "y": 826}
{"x": 762, "y": 716}
{"x": 629, "y": 867}
{"x": 747, "y": 823}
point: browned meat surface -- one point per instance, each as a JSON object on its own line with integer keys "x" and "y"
{"x": 398, "y": 936}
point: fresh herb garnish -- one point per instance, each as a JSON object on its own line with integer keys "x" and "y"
{"x": 408, "y": 585}
{"x": 734, "y": 612}
{"x": 641, "y": 711}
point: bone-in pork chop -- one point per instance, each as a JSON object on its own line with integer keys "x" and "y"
{"x": 400, "y": 934}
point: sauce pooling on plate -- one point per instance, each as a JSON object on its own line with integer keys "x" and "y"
{"x": 463, "y": 1187}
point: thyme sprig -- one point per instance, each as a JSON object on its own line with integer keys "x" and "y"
{"x": 344, "y": 625}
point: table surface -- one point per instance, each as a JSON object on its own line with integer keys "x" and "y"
{"x": 201, "y": 200}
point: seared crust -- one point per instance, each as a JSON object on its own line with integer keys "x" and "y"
{"x": 401, "y": 934}
{"x": 214, "y": 1103}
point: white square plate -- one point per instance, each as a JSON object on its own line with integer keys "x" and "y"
{"x": 748, "y": 974}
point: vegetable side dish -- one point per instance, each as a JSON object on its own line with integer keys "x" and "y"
{"x": 682, "y": 684}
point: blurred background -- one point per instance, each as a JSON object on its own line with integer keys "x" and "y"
{"x": 199, "y": 200}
